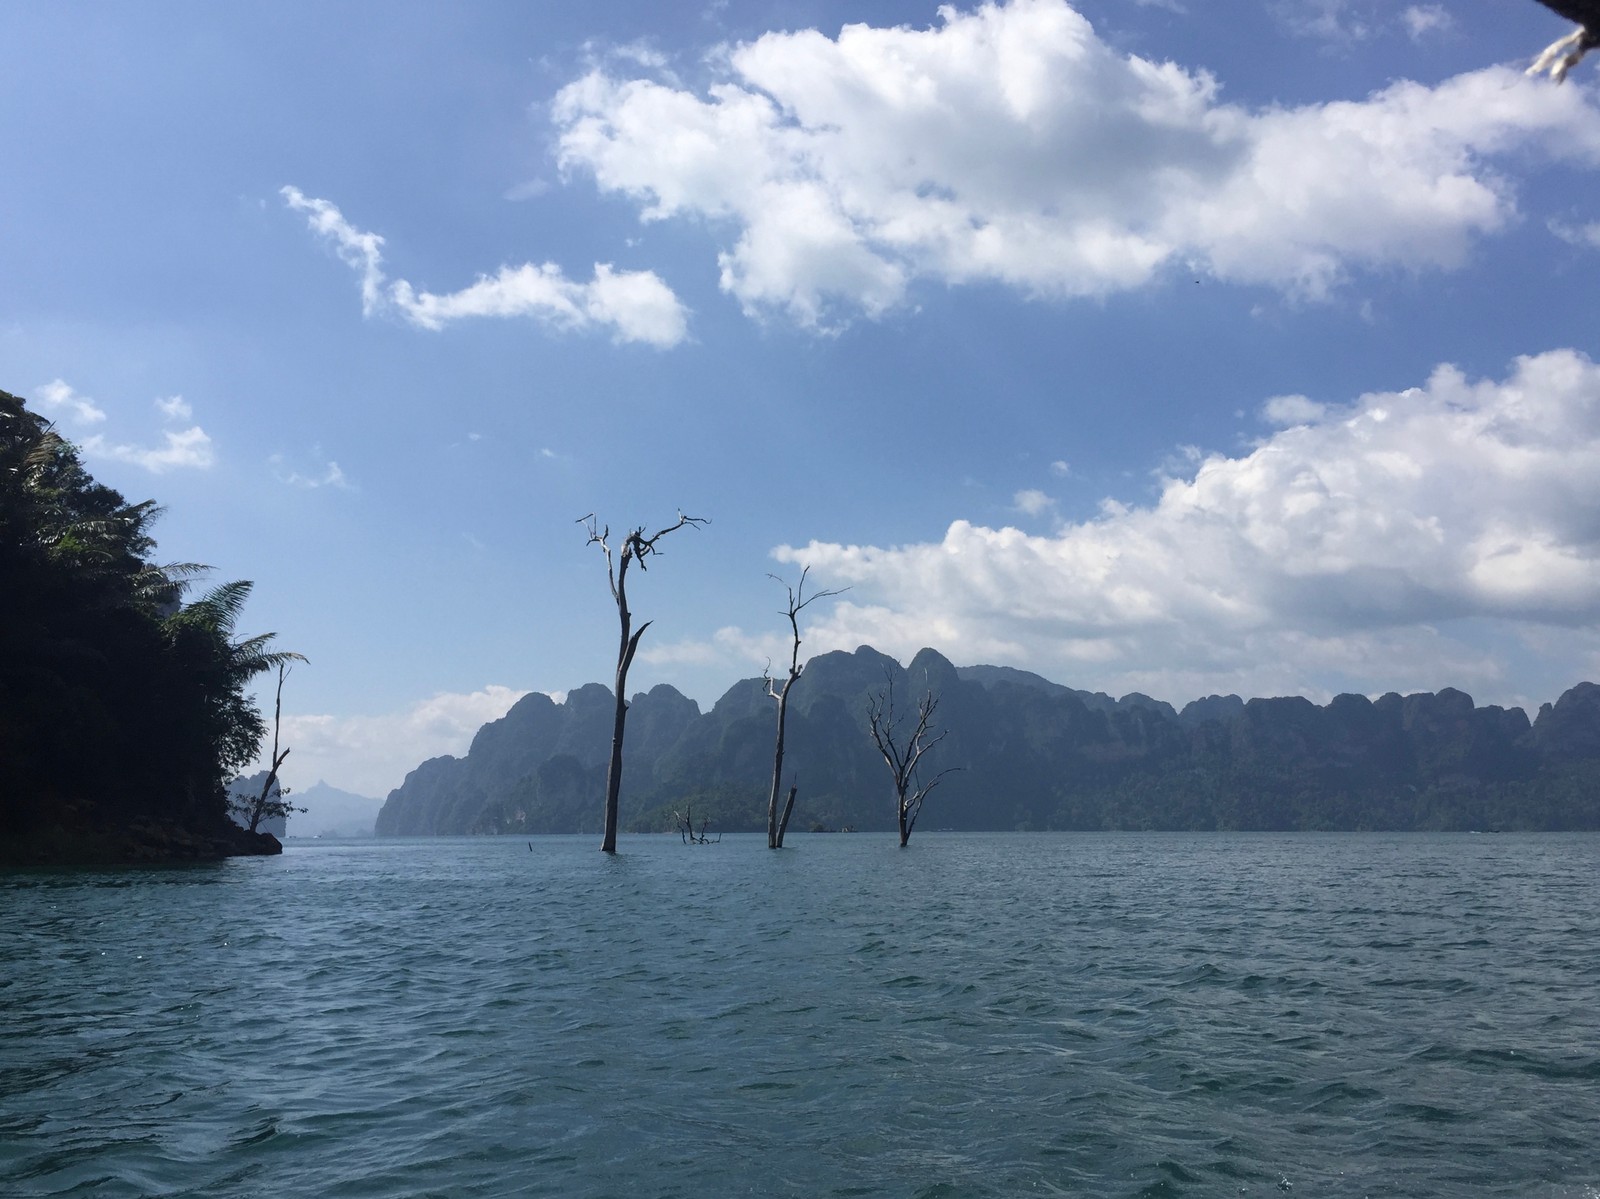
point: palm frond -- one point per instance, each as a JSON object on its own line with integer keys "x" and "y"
{"x": 218, "y": 609}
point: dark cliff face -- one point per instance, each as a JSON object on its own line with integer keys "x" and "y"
{"x": 1569, "y": 729}
{"x": 539, "y": 757}
{"x": 1028, "y": 754}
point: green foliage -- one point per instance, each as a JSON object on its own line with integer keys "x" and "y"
{"x": 119, "y": 704}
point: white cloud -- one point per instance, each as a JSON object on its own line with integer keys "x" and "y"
{"x": 174, "y": 408}
{"x": 1337, "y": 552}
{"x": 1585, "y": 236}
{"x": 1330, "y": 20}
{"x": 634, "y": 305}
{"x": 57, "y": 395}
{"x": 528, "y": 189}
{"x": 371, "y": 755}
{"x": 186, "y": 448}
{"x": 1291, "y": 410}
{"x": 326, "y": 474}
{"x": 182, "y": 448}
{"x": 1033, "y": 502}
{"x": 1060, "y": 469}
{"x": 1011, "y": 144}
{"x": 729, "y": 646}
{"x": 1424, "y": 20}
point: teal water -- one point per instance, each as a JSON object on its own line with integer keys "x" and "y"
{"x": 1120, "y": 1015}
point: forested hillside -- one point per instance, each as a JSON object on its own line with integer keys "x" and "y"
{"x": 123, "y": 710}
{"x": 1031, "y": 755}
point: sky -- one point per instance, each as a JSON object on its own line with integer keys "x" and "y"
{"x": 1141, "y": 349}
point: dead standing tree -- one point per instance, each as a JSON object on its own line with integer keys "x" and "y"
{"x": 798, "y": 599}
{"x": 905, "y": 756}
{"x": 686, "y": 830}
{"x": 271, "y": 804}
{"x": 636, "y": 547}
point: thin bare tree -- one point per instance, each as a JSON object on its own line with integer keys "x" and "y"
{"x": 798, "y": 599}
{"x": 903, "y": 752}
{"x": 686, "y": 828}
{"x": 636, "y": 547}
{"x": 271, "y": 803}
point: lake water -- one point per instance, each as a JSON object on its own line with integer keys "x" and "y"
{"x": 1120, "y": 1015}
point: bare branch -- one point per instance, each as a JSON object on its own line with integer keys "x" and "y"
{"x": 904, "y": 758}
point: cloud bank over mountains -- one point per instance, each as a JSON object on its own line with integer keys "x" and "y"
{"x": 1011, "y": 145}
{"x": 370, "y": 754}
{"x": 1340, "y": 546}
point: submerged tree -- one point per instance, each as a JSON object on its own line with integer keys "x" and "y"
{"x": 686, "y": 829}
{"x": 903, "y": 752}
{"x": 636, "y": 547}
{"x": 798, "y": 599}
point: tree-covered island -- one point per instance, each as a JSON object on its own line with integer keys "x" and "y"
{"x": 123, "y": 706}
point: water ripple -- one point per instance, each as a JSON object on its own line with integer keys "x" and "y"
{"x": 972, "y": 1016}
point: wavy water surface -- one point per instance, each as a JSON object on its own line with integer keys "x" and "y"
{"x": 1155, "y": 1015}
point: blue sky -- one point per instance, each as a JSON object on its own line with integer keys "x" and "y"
{"x": 1143, "y": 349}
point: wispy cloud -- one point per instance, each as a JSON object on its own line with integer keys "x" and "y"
{"x": 1586, "y": 236}
{"x": 1033, "y": 502}
{"x": 1291, "y": 410}
{"x": 189, "y": 448}
{"x": 1426, "y": 20}
{"x": 326, "y": 473}
{"x": 174, "y": 408}
{"x": 637, "y": 306}
{"x": 58, "y": 397}
{"x": 181, "y": 450}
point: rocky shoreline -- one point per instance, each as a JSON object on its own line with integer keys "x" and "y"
{"x": 78, "y": 836}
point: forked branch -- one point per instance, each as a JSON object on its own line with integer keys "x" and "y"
{"x": 798, "y": 600}
{"x": 903, "y": 753}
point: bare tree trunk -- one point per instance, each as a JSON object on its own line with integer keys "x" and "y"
{"x": 774, "y": 837}
{"x": 636, "y": 547}
{"x": 788, "y": 810}
{"x": 259, "y": 807}
{"x": 608, "y": 841}
{"x": 797, "y": 601}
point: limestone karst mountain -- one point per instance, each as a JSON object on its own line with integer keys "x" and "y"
{"x": 1032, "y": 755}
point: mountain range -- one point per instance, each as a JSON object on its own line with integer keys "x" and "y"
{"x": 1028, "y": 754}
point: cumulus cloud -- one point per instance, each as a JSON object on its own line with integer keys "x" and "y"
{"x": 1338, "y": 551}
{"x": 635, "y": 305}
{"x": 1011, "y": 144}
{"x": 371, "y": 754}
